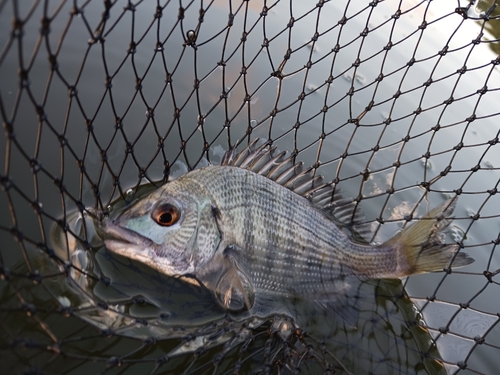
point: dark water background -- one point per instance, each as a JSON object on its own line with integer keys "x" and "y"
{"x": 175, "y": 112}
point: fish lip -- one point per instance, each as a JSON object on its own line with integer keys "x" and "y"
{"x": 118, "y": 233}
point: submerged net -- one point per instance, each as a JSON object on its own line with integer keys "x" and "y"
{"x": 396, "y": 102}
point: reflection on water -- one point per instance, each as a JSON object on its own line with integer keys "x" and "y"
{"x": 457, "y": 336}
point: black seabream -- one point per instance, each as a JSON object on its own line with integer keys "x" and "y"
{"x": 259, "y": 225}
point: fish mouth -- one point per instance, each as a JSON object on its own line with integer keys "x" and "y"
{"x": 130, "y": 244}
{"x": 127, "y": 242}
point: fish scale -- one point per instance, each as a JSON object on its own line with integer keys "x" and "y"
{"x": 246, "y": 236}
{"x": 304, "y": 234}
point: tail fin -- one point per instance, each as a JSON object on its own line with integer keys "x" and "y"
{"x": 421, "y": 248}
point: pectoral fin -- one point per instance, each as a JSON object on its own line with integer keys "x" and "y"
{"x": 234, "y": 289}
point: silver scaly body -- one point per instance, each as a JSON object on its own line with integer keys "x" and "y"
{"x": 258, "y": 225}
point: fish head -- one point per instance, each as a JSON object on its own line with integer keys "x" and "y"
{"x": 173, "y": 230}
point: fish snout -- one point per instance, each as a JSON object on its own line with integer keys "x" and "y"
{"x": 114, "y": 230}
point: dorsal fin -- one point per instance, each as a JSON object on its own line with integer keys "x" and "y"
{"x": 262, "y": 158}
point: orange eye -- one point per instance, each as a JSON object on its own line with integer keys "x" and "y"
{"x": 166, "y": 215}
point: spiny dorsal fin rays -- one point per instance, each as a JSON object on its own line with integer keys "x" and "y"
{"x": 243, "y": 157}
{"x": 273, "y": 162}
{"x": 341, "y": 208}
{"x": 346, "y": 211}
{"x": 257, "y": 156}
{"x": 293, "y": 170}
{"x": 309, "y": 187}
{"x": 260, "y": 159}
{"x": 285, "y": 164}
{"x": 236, "y": 159}
{"x": 323, "y": 198}
{"x": 267, "y": 161}
{"x": 295, "y": 180}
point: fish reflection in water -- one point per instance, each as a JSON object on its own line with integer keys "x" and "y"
{"x": 258, "y": 228}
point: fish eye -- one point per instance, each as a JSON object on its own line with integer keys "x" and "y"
{"x": 166, "y": 215}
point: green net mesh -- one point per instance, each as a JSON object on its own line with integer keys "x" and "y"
{"x": 395, "y": 101}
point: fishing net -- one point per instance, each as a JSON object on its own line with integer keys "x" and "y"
{"x": 395, "y": 102}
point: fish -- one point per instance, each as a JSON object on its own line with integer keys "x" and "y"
{"x": 259, "y": 224}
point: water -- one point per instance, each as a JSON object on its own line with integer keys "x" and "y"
{"x": 140, "y": 116}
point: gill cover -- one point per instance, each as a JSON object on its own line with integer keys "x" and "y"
{"x": 195, "y": 235}
{"x": 179, "y": 224}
